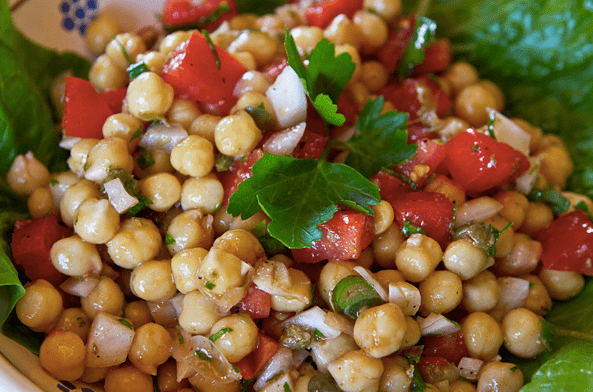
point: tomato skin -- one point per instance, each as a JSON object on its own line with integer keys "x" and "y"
{"x": 256, "y": 303}
{"x": 345, "y": 236}
{"x": 239, "y": 172}
{"x": 389, "y": 185}
{"x": 253, "y": 363}
{"x": 429, "y": 154}
{"x": 311, "y": 145}
{"x": 193, "y": 73}
{"x": 479, "y": 162}
{"x": 430, "y": 211}
{"x": 31, "y": 245}
{"x": 187, "y": 12}
{"x": 115, "y": 98}
{"x": 450, "y": 347}
{"x": 415, "y": 96}
{"x": 568, "y": 244}
{"x": 437, "y": 57}
{"x": 400, "y": 34}
{"x": 322, "y": 14}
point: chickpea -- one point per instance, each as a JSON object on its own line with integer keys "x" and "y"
{"x": 162, "y": 163}
{"x": 342, "y": 30}
{"x": 346, "y": 370}
{"x": 106, "y": 297}
{"x": 252, "y": 81}
{"x": 193, "y": 156}
{"x": 538, "y": 216}
{"x": 206, "y": 384}
{"x": 388, "y": 276}
{"x": 522, "y": 331}
{"x": 148, "y": 96}
{"x": 471, "y": 104}
{"x": 538, "y": 299}
{"x": 523, "y": 258}
{"x": 74, "y": 196}
{"x": 166, "y": 377}
{"x": 96, "y": 221}
{"x": 289, "y": 15}
{"x": 388, "y": 9}
{"x": 236, "y": 135}
{"x": 243, "y": 22}
{"x": 204, "y": 125}
{"x": 172, "y": 41}
{"x": 163, "y": 189}
{"x": 106, "y": 74}
{"x": 555, "y": 165}
{"x": 151, "y": 347}
{"x": 379, "y": 331}
{"x": 481, "y": 293}
{"x": 220, "y": 271}
{"x": 462, "y": 386}
{"x": 198, "y": 313}
{"x": 514, "y": 205}
{"x": 413, "y": 333}
{"x": 155, "y": 61}
{"x": 106, "y": 155}
{"x": 183, "y": 112}
{"x": 74, "y": 320}
{"x": 129, "y": 379}
{"x": 461, "y": 75}
{"x": 138, "y": 313}
{"x": 40, "y": 306}
{"x": 496, "y": 93}
{"x": 504, "y": 245}
{"x": 153, "y": 281}
{"x": 331, "y": 274}
{"x": 482, "y": 335}
{"x": 129, "y": 43}
{"x": 94, "y": 374}
{"x": 260, "y": 44}
{"x": 63, "y": 355}
{"x": 325, "y": 351}
{"x": 256, "y": 99}
{"x": 74, "y": 257}
{"x": 100, "y": 32}
{"x": 270, "y": 24}
{"x": 138, "y": 240}
{"x": 373, "y": 75}
{"x": 189, "y": 229}
{"x": 124, "y": 126}
{"x": 386, "y": 244}
{"x": 205, "y": 193}
{"x": 373, "y": 30}
{"x": 384, "y": 216}
{"x": 417, "y": 257}
{"x": 562, "y": 285}
{"x": 77, "y": 162}
{"x": 441, "y": 292}
{"x": 395, "y": 377}
{"x": 59, "y": 183}
{"x": 240, "y": 339}
{"x": 223, "y": 39}
{"x": 242, "y": 244}
{"x": 26, "y": 174}
{"x": 41, "y": 203}
{"x": 500, "y": 377}
{"x": 185, "y": 266}
{"x": 298, "y": 296}
{"x": 306, "y": 38}
{"x": 465, "y": 259}
{"x": 446, "y": 186}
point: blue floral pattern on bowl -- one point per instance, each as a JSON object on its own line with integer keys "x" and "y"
{"x": 76, "y": 14}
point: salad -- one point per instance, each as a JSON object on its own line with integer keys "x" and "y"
{"x": 313, "y": 196}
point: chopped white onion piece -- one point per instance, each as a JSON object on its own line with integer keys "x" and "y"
{"x": 163, "y": 136}
{"x": 506, "y": 131}
{"x": 406, "y": 296}
{"x": 279, "y": 384}
{"x": 280, "y": 363}
{"x": 288, "y": 98}
{"x": 314, "y": 319}
{"x": 163, "y": 312}
{"x": 526, "y": 181}
{"x": 109, "y": 341}
{"x": 476, "y": 210}
{"x": 469, "y": 368}
{"x": 117, "y": 195}
{"x": 437, "y": 324}
{"x": 366, "y": 275}
{"x": 68, "y": 142}
{"x": 79, "y": 286}
{"x": 298, "y": 357}
{"x": 273, "y": 277}
{"x": 341, "y": 323}
{"x": 284, "y": 142}
{"x": 177, "y": 303}
{"x": 513, "y": 293}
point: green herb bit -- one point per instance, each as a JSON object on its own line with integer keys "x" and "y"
{"x": 143, "y": 202}
{"x": 263, "y": 119}
{"x": 482, "y": 236}
{"x": 424, "y": 34}
{"x": 54, "y": 182}
{"x": 287, "y": 387}
{"x": 492, "y": 250}
{"x": 126, "y": 323}
{"x": 551, "y": 198}
{"x": 80, "y": 322}
{"x": 125, "y": 52}
{"x": 582, "y": 206}
{"x": 136, "y": 134}
{"x": 127, "y": 179}
{"x": 219, "y": 334}
{"x": 169, "y": 240}
{"x": 223, "y": 162}
{"x": 270, "y": 244}
{"x": 490, "y": 125}
{"x": 245, "y": 384}
{"x": 318, "y": 334}
{"x": 210, "y": 286}
{"x": 353, "y": 294}
{"x": 145, "y": 158}
{"x": 212, "y": 47}
{"x": 137, "y": 69}
{"x": 409, "y": 229}
{"x": 202, "y": 355}
{"x": 181, "y": 340}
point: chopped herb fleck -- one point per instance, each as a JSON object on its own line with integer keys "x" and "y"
{"x": 169, "y": 240}
{"x": 202, "y": 355}
{"x": 136, "y": 134}
{"x": 219, "y": 334}
{"x": 212, "y": 47}
{"x": 126, "y": 323}
{"x": 54, "y": 182}
{"x": 209, "y": 285}
{"x": 80, "y": 322}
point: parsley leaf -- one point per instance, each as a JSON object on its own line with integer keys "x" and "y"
{"x": 380, "y": 140}
{"x": 325, "y": 78}
{"x": 300, "y": 194}
{"x": 424, "y": 34}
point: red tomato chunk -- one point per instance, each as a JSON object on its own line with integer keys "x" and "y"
{"x": 450, "y": 347}
{"x": 188, "y": 12}
{"x": 256, "y": 303}
{"x": 253, "y": 363}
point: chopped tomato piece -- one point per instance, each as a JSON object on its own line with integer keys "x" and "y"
{"x": 347, "y": 107}
{"x": 418, "y": 131}
{"x": 568, "y": 243}
{"x": 196, "y": 72}
{"x": 322, "y": 14}
{"x": 115, "y": 98}
{"x": 416, "y": 96}
{"x": 256, "y": 303}
{"x": 388, "y": 184}
{"x": 423, "y": 165}
{"x": 450, "y": 347}
{"x": 437, "y": 57}
{"x": 239, "y": 172}
{"x": 430, "y": 211}
{"x": 479, "y": 162}
{"x": 435, "y": 369}
{"x": 31, "y": 245}
{"x": 345, "y": 236}
{"x": 195, "y": 14}
{"x": 253, "y": 363}
{"x": 311, "y": 145}
{"x": 400, "y": 34}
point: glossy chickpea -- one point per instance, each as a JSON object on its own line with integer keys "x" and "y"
{"x": 500, "y": 377}
{"x": 237, "y": 336}
{"x": 374, "y": 75}
{"x": 395, "y": 377}
{"x": 325, "y": 351}
{"x": 461, "y": 75}
{"x": 155, "y": 61}
{"x": 26, "y": 174}
{"x": 63, "y": 355}
{"x": 59, "y": 183}
{"x": 522, "y": 331}
{"x": 255, "y": 99}
{"x": 74, "y": 320}
{"x": 105, "y": 74}
{"x": 471, "y": 103}
{"x": 185, "y": 266}
{"x": 236, "y": 135}
{"x": 74, "y": 257}
{"x": 148, "y": 96}
{"x": 219, "y": 272}
{"x": 514, "y": 206}
{"x": 482, "y": 335}
{"x": 129, "y": 43}
{"x": 417, "y": 257}
{"x": 441, "y": 292}
{"x": 106, "y": 297}
{"x": 40, "y": 306}
{"x": 205, "y": 193}
{"x": 446, "y": 186}
{"x": 161, "y": 164}
{"x": 163, "y": 189}
{"x": 379, "y": 331}
{"x": 96, "y": 221}
{"x": 306, "y": 38}
{"x": 166, "y": 377}
{"x": 204, "y": 125}
{"x": 258, "y": 43}
{"x": 481, "y": 293}
{"x": 346, "y": 371}
{"x": 74, "y": 196}
{"x": 171, "y": 41}
{"x": 331, "y": 274}
{"x": 242, "y": 244}
{"x": 465, "y": 259}
{"x": 41, "y": 203}
{"x": 523, "y": 259}
{"x": 461, "y": 386}
{"x": 252, "y": 81}
{"x": 562, "y": 285}
{"x": 270, "y": 24}
{"x": 538, "y": 216}
{"x": 153, "y": 281}
{"x": 538, "y": 299}
{"x": 77, "y": 162}
{"x": 137, "y": 240}
{"x": 555, "y": 165}
{"x": 224, "y": 38}
{"x": 504, "y": 245}
{"x": 207, "y": 384}
{"x": 129, "y": 379}
{"x": 386, "y": 244}
{"x": 189, "y": 229}
{"x": 373, "y": 30}
{"x": 124, "y": 126}
{"x": 93, "y": 375}
{"x": 387, "y": 276}
{"x": 100, "y": 32}
{"x": 388, "y": 9}
{"x": 297, "y": 297}
{"x": 413, "y": 333}
{"x": 193, "y": 156}
{"x": 496, "y": 93}
{"x": 198, "y": 313}
{"x": 342, "y": 30}
{"x": 150, "y": 348}
{"x": 107, "y": 154}
{"x": 451, "y": 127}
{"x": 183, "y": 112}
{"x": 138, "y": 313}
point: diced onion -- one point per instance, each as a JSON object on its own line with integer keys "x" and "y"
{"x": 366, "y": 275}
{"x": 280, "y": 363}
{"x": 469, "y": 368}
{"x": 273, "y": 277}
{"x": 476, "y": 210}
{"x": 341, "y": 323}
{"x": 526, "y": 181}
{"x": 177, "y": 303}
{"x": 506, "y": 131}
{"x": 406, "y": 296}
{"x": 284, "y": 142}
{"x": 68, "y": 142}
{"x": 79, "y": 286}
{"x": 279, "y": 384}
{"x": 313, "y": 318}
{"x": 513, "y": 293}
{"x": 163, "y": 136}
{"x": 117, "y": 195}
{"x": 437, "y": 324}
{"x": 109, "y": 341}
{"x": 288, "y": 98}
{"x": 163, "y": 312}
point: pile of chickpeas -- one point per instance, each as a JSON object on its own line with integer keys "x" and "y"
{"x": 142, "y": 265}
